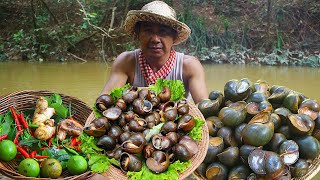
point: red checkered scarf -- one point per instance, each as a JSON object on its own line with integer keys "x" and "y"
{"x": 162, "y": 73}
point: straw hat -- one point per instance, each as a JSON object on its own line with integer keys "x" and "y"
{"x": 159, "y": 12}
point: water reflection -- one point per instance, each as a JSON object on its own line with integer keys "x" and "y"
{"x": 86, "y": 81}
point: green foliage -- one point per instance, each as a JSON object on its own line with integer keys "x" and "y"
{"x": 52, "y": 32}
{"x": 242, "y": 55}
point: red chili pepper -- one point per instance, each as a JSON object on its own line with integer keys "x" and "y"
{"x": 3, "y": 137}
{"x": 73, "y": 141}
{"x": 15, "y": 117}
{"x": 44, "y": 148}
{"x": 16, "y": 139}
{"x": 33, "y": 154}
{"x": 41, "y": 157}
{"x": 23, "y": 152}
{"x": 78, "y": 142}
{"x": 23, "y": 121}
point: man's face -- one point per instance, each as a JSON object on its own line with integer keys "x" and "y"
{"x": 156, "y": 40}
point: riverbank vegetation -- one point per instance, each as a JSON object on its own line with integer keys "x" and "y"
{"x": 267, "y": 32}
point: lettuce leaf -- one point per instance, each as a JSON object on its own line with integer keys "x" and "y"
{"x": 116, "y": 93}
{"x": 196, "y": 132}
{"x": 170, "y": 174}
{"x": 88, "y": 144}
{"x": 176, "y": 87}
{"x": 100, "y": 163}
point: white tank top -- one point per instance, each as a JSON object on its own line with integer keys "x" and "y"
{"x": 174, "y": 74}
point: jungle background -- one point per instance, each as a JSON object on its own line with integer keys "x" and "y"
{"x": 267, "y": 32}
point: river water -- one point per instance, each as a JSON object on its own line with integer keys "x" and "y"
{"x": 85, "y": 81}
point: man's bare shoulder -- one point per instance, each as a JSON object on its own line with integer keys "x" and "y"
{"x": 189, "y": 61}
{"x": 125, "y": 58}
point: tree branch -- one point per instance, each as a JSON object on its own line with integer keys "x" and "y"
{"x": 50, "y": 12}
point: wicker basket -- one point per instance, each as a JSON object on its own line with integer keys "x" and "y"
{"x": 115, "y": 173}
{"x": 24, "y": 100}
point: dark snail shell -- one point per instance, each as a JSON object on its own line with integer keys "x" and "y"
{"x": 129, "y": 162}
{"x": 169, "y": 111}
{"x": 148, "y": 151}
{"x": 229, "y": 156}
{"x": 186, "y": 123}
{"x": 143, "y": 93}
{"x": 103, "y": 102}
{"x": 106, "y": 142}
{"x": 142, "y": 106}
{"x": 158, "y": 162}
{"x": 168, "y": 126}
{"x": 216, "y": 170}
{"x": 215, "y": 147}
{"x": 160, "y": 142}
{"x": 112, "y": 113}
{"x": 181, "y": 152}
{"x": 115, "y": 132}
{"x": 165, "y": 94}
{"x": 183, "y": 107}
{"x": 130, "y": 95}
{"x": 121, "y": 104}
{"x": 137, "y": 124}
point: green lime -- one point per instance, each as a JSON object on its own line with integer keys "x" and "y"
{"x": 8, "y": 150}
{"x": 29, "y": 167}
{"x": 51, "y": 168}
{"x": 77, "y": 165}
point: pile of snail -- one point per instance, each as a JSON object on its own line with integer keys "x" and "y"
{"x": 258, "y": 131}
{"x": 127, "y": 129}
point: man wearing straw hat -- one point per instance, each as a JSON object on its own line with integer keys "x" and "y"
{"x": 157, "y": 29}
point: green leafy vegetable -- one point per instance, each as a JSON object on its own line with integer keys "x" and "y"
{"x": 176, "y": 87}
{"x": 60, "y": 109}
{"x": 28, "y": 142}
{"x": 100, "y": 162}
{"x": 196, "y": 132}
{"x": 117, "y": 92}
{"x": 56, "y": 98}
{"x": 88, "y": 145}
{"x": 171, "y": 173}
{"x": 6, "y": 123}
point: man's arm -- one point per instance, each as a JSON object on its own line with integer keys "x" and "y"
{"x": 194, "y": 74}
{"x": 122, "y": 68}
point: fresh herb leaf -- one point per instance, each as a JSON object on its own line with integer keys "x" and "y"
{"x": 60, "y": 109}
{"x": 56, "y": 98}
{"x": 100, "y": 163}
{"x": 176, "y": 87}
{"x": 28, "y": 142}
{"x": 196, "y": 132}
{"x": 171, "y": 173}
{"x": 88, "y": 144}
{"x": 6, "y": 126}
{"x": 116, "y": 93}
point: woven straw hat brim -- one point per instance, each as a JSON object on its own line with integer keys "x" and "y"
{"x": 135, "y": 16}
